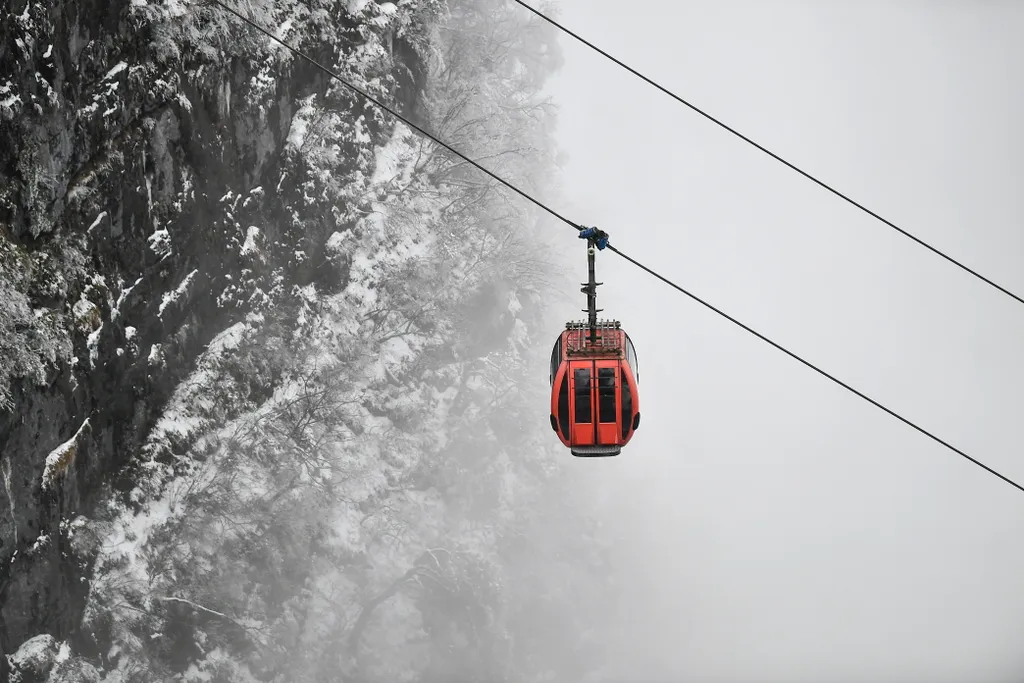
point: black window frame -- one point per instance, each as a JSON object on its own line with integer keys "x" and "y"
{"x": 627, "y": 406}
{"x": 583, "y": 397}
{"x": 631, "y": 358}
{"x": 606, "y": 390}
{"x": 563, "y": 405}
{"x": 556, "y": 360}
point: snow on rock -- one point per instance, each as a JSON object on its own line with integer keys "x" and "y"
{"x": 41, "y": 542}
{"x": 93, "y": 344}
{"x": 156, "y": 355}
{"x": 385, "y": 13}
{"x": 117, "y": 68}
{"x": 62, "y": 457}
{"x": 393, "y": 159}
{"x": 300, "y": 123}
{"x": 172, "y": 296}
{"x": 249, "y": 246}
{"x": 9, "y": 101}
{"x": 335, "y": 243}
{"x": 393, "y": 353}
{"x": 35, "y": 658}
{"x": 193, "y": 396}
{"x": 95, "y": 223}
{"x": 87, "y": 314}
{"x": 160, "y": 242}
{"x": 120, "y": 299}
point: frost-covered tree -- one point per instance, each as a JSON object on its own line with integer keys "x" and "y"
{"x": 352, "y": 481}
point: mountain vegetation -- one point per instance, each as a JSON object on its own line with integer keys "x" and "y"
{"x": 272, "y": 365}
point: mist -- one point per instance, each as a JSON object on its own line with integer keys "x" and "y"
{"x": 273, "y": 397}
{"x": 769, "y": 525}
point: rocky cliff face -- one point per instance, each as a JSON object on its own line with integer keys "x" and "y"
{"x": 136, "y": 139}
{"x": 200, "y": 231}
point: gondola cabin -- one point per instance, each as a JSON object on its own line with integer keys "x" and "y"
{"x": 595, "y": 405}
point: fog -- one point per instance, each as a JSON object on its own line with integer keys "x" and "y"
{"x": 769, "y": 525}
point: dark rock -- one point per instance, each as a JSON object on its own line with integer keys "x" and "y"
{"x": 96, "y": 161}
{"x": 34, "y": 660}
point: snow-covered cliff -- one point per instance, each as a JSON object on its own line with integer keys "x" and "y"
{"x": 272, "y": 398}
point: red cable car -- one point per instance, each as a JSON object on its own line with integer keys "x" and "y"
{"x": 595, "y": 404}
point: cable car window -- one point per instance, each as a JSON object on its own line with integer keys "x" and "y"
{"x": 631, "y": 358}
{"x": 606, "y": 394}
{"x": 627, "y": 406}
{"x": 556, "y": 359}
{"x": 581, "y": 379}
{"x": 563, "y": 405}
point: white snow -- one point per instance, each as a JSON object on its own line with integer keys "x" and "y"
{"x": 118, "y": 68}
{"x": 61, "y": 456}
{"x": 335, "y": 241}
{"x": 393, "y": 158}
{"x": 171, "y": 297}
{"x": 283, "y": 30}
{"x": 393, "y": 353}
{"x": 175, "y": 9}
{"x": 249, "y": 246}
{"x": 160, "y": 242}
{"x": 97, "y": 221}
{"x": 40, "y": 542}
{"x": 129, "y": 332}
{"x": 10, "y": 101}
{"x": 297, "y": 133}
{"x": 120, "y": 300}
{"x": 387, "y": 11}
{"x": 35, "y": 653}
{"x": 300, "y": 123}
{"x": 513, "y": 303}
{"x": 83, "y": 308}
{"x": 93, "y": 343}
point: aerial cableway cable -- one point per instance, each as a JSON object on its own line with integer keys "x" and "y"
{"x": 817, "y": 369}
{"x": 769, "y": 152}
{"x": 581, "y": 228}
{"x": 394, "y": 113}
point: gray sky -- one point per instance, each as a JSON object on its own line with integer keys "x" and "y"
{"x": 772, "y": 526}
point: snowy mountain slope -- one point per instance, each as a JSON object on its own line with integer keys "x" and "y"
{"x": 272, "y": 363}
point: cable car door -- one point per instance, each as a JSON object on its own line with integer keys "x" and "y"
{"x": 606, "y": 404}
{"x": 594, "y": 402}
